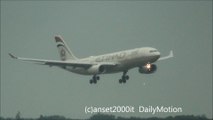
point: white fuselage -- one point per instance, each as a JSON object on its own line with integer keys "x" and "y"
{"x": 126, "y": 60}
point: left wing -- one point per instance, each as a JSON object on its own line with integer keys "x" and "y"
{"x": 167, "y": 57}
{"x": 74, "y": 63}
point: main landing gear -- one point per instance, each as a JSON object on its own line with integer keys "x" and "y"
{"x": 94, "y": 79}
{"x": 124, "y": 78}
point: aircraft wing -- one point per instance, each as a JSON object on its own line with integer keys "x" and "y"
{"x": 167, "y": 57}
{"x": 63, "y": 63}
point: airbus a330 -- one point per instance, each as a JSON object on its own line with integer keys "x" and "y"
{"x": 122, "y": 61}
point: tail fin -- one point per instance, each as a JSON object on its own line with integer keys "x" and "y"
{"x": 64, "y": 51}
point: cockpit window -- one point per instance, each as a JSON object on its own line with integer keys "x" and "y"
{"x": 151, "y": 51}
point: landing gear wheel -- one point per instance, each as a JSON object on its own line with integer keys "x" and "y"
{"x": 91, "y": 81}
{"x": 94, "y": 79}
{"x": 127, "y": 77}
{"x": 120, "y": 81}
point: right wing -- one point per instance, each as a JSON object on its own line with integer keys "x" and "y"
{"x": 58, "y": 63}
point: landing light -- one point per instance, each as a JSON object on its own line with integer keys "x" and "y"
{"x": 148, "y": 66}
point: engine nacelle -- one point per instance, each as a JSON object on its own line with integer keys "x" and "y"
{"x": 148, "y": 69}
{"x": 96, "y": 69}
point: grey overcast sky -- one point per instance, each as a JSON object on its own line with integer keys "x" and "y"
{"x": 98, "y": 27}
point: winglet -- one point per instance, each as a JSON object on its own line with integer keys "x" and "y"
{"x": 167, "y": 57}
{"x": 12, "y": 56}
{"x": 171, "y": 54}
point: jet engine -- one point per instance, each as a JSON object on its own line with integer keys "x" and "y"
{"x": 96, "y": 69}
{"x": 148, "y": 69}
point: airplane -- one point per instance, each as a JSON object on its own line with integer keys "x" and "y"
{"x": 122, "y": 61}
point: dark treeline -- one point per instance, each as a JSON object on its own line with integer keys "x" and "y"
{"x": 112, "y": 117}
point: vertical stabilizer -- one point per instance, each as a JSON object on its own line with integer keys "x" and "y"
{"x": 64, "y": 51}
